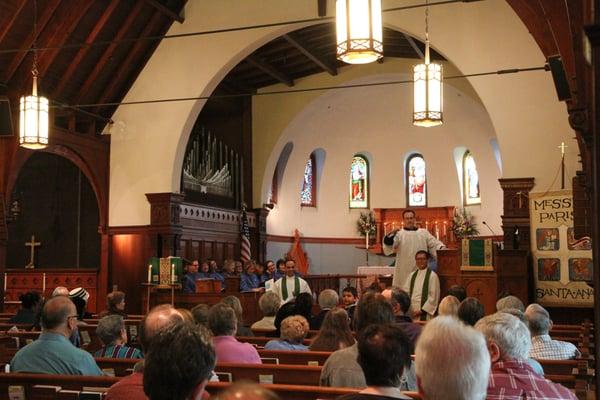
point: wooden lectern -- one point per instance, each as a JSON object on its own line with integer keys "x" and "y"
{"x": 208, "y": 286}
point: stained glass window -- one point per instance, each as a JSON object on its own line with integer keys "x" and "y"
{"x": 416, "y": 179}
{"x": 359, "y": 181}
{"x": 470, "y": 180}
{"x": 307, "y": 195}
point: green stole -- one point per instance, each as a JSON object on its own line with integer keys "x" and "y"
{"x": 424, "y": 291}
{"x": 284, "y": 291}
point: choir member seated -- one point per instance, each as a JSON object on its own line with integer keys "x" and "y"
{"x": 236, "y": 305}
{"x": 223, "y": 323}
{"x": 328, "y": 299}
{"x": 383, "y": 353}
{"x": 52, "y": 353}
{"x": 115, "y": 302}
{"x": 335, "y": 333}
{"x": 112, "y": 334}
{"x": 188, "y": 282}
{"x": 249, "y": 282}
{"x": 30, "y": 301}
{"x": 228, "y": 268}
{"x": 508, "y": 342}
{"x": 293, "y": 333}
{"x": 442, "y": 374}
{"x": 543, "y": 347}
{"x": 268, "y": 303}
{"x": 470, "y": 311}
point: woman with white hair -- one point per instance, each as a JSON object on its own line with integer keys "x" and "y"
{"x": 293, "y": 332}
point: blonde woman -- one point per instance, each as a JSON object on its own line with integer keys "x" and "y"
{"x": 293, "y": 332}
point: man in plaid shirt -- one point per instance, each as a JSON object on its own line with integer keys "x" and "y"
{"x": 543, "y": 347}
{"x": 512, "y": 377}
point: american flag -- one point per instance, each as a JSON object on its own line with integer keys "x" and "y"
{"x": 245, "y": 234}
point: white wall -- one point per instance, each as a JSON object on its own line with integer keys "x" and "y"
{"x": 376, "y": 121}
{"x": 147, "y": 154}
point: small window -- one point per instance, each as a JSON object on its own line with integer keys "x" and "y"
{"x": 359, "y": 182}
{"x": 308, "y": 194}
{"x": 416, "y": 178}
{"x": 472, "y": 195}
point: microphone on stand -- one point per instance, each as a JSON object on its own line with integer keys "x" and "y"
{"x": 490, "y": 229}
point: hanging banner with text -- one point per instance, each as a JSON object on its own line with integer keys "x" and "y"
{"x": 561, "y": 263}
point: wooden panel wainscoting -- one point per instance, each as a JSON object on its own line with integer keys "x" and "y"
{"x": 19, "y": 281}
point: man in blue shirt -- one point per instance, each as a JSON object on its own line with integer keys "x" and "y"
{"x": 189, "y": 279}
{"x": 52, "y": 353}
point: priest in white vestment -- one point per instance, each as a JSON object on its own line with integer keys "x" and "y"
{"x": 423, "y": 287}
{"x": 290, "y": 285}
{"x": 405, "y": 243}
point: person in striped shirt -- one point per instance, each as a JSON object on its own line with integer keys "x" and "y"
{"x": 111, "y": 331}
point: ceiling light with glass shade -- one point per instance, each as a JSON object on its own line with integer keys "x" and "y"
{"x": 359, "y": 31}
{"x": 428, "y": 88}
{"x": 33, "y": 112}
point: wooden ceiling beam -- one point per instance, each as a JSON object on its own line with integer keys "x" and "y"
{"x": 81, "y": 53}
{"x": 15, "y": 15}
{"x": 28, "y": 42}
{"x": 101, "y": 63}
{"x": 414, "y": 45}
{"x": 318, "y": 59}
{"x": 59, "y": 37}
{"x": 129, "y": 63}
{"x": 270, "y": 70}
{"x": 166, "y": 11}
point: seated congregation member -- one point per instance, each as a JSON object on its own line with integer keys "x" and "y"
{"x": 60, "y": 291}
{"x": 188, "y": 282}
{"x": 247, "y": 391}
{"x": 115, "y": 302}
{"x": 449, "y": 306}
{"x": 512, "y": 377}
{"x": 293, "y": 332}
{"x": 543, "y": 347}
{"x": 349, "y": 300}
{"x": 186, "y": 314}
{"x": 458, "y": 291}
{"x": 400, "y": 303}
{"x": 179, "y": 363}
{"x": 335, "y": 333}
{"x": 533, "y": 363}
{"x": 302, "y": 305}
{"x": 30, "y": 301}
{"x": 112, "y": 334}
{"x": 200, "y": 314}
{"x": 470, "y": 311}
{"x": 423, "y": 287}
{"x": 52, "y": 353}
{"x": 383, "y": 353}
{"x": 341, "y": 368}
{"x": 269, "y": 304}
{"x": 291, "y": 285}
{"x": 510, "y": 302}
{"x": 160, "y": 318}
{"x": 452, "y": 361}
{"x": 79, "y": 296}
{"x": 234, "y": 302}
{"x": 223, "y": 324}
{"x": 328, "y": 299}
{"x": 249, "y": 282}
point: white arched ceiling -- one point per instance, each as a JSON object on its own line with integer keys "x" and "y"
{"x": 146, "y": 156}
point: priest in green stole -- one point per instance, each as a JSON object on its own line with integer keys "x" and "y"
{"x": 423, "y": 287}
{"x": 290, "y": 285}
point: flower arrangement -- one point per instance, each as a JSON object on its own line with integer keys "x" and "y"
{"x": 366, "y": 223}
{"x": 463, "y": 225}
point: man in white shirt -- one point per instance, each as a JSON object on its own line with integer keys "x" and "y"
{"x": 290, "y": 285}
{"x": 423, "y": 287}
{"x": 405, "y": 243}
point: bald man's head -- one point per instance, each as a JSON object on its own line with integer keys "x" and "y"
{"x": 247, "y": 391}
{"x": 60, "y": 291}
{"x": 159, "y": 318}
{"x": 56, "y": 312}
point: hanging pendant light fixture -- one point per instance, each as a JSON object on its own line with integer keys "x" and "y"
{"x": 359, "y": 31}
{"x": 428, "y": 88}
{"x": 33, "y": 118}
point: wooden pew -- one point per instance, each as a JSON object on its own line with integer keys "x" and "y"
{"x": 260, "y": 341}
{"x": 296, "y": 357}
{"x": 28, "y": 381}
{"x": 573, "y": 374}
{"x": 268, "y": 373}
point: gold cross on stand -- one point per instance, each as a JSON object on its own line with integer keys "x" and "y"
{"x": 33, "y": 244}
{"x": 562, "y": 148}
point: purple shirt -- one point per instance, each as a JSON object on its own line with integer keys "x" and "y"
{"x": 228, "y": 349}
